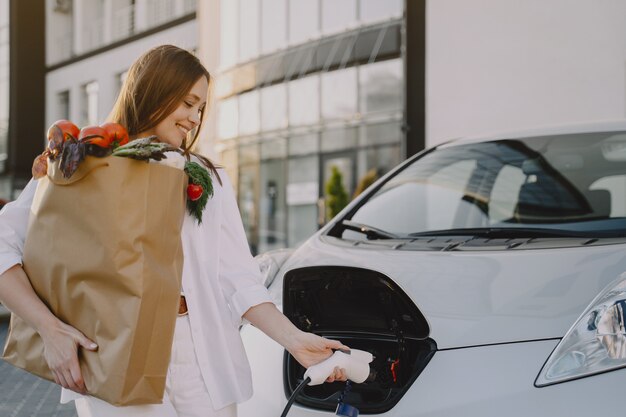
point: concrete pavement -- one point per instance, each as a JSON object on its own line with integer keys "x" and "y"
{"x": 25, "y": 395}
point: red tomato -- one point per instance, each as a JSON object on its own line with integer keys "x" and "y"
{"x": 68, "y": 128}
{"x": 117, "y": 133}
{"x": 95, "y": 135}
{"x": 194, "y": 191}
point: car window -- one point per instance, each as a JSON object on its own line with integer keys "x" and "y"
{"x": 504, "y": 196}
{"x": 565, "y": 182}
{"x": 411, "y": 203}
{"x": 614, "y": 186}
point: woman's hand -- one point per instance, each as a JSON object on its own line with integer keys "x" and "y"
{"x": 309, "y": 349}
{"x": 61, "y": 341}
{"x": 61, "y": 344}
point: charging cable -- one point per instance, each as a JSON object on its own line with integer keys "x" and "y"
{"x": 354, "y": 362}
{"x": 294, "y": 395}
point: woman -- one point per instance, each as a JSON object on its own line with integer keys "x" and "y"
{"x": 165, "y": 94}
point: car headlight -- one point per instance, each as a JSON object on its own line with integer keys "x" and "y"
{"x": 596, "y": 343}
{"x": 270, "y": 263}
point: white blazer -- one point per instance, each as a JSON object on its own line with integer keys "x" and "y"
{"x": 221, "y": 281}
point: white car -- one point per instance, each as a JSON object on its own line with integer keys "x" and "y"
{"x": 486, "y": 276}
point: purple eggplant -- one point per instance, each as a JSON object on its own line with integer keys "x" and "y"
{"x": 72, "y": 155}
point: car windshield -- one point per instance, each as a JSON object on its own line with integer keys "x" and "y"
{"x": 575, "y": 184}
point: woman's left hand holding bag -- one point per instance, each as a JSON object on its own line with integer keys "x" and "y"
{"x": 61, "y": 340}
{"x": 61, "y": 343}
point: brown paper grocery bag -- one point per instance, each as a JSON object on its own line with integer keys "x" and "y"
{"x": 104, "y": 252}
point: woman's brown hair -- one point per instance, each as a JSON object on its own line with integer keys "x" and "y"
{"x": 156, "y": 84}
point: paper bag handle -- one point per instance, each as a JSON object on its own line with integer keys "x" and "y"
{"x": 85, "y": 168}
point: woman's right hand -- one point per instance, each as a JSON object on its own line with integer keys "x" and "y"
{"x": 61, "y": 341}
{"x": 61, "y": 344}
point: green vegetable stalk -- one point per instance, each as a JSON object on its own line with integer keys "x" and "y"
{"x": 199, "y": 176}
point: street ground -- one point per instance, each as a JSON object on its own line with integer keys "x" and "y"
{"x": 25, "y": 395}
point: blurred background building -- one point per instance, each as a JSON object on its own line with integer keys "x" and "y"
{"x": 302, "y": 86}
{"x": 91, "y": 43}
{"x": 67, "y": 59}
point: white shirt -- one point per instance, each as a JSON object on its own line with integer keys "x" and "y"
{"x": 221, "y": 281}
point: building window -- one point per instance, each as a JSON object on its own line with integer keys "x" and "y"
{"x": 61, "y": 23}
{"x": 274, "y": 107}
{"x": 92, "y": 26}
{"x": 229, "y": 34}
{"x": 304, "y": 101}
{"x": 123, "y": 19}
{"x": 339, "y": 94}
{"x": 249, "y": 111}
{"x": 380, "y": 134}
{"x": 344, "y": 162}
{"x": 302, "y": 196}
{"x": 338, "y": 139}
{"x": 273, "y": 215}
{"x": 227, "y": 118}
{"x": 304, "y": 144}
{"x": 249, "y": 30}
{"x": 338, "y": 16}
{"x": 381, "y": 86}
{"x": 229, "y": 160}
{"x": 63, "y": 105}
{"x": 89, "y": 114}
{"x": 376, "y": 10}
{"x": 161, "y": 11}
{"x": 304, "y": 20}
{"x": 273, "y": 25}
{"x": 249, "y": 184}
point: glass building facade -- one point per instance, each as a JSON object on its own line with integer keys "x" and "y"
{"x": 306, "y": 86}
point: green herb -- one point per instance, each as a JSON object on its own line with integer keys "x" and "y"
{"x": 199, "y": 176}
{"x": 147, "y": 148}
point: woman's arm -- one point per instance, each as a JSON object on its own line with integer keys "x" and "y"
{"x": 60, "y": 340}
{"x": 307, "y": 348}
{"x": 248, "y": 299}
{"x": 17, "y": 294}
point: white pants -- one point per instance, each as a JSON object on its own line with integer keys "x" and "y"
{"x": 185, "y": 393}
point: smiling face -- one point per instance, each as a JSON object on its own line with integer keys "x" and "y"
{"x": 177, "y": 125}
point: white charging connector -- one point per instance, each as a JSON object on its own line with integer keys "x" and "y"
{"x": 355, "y": 362}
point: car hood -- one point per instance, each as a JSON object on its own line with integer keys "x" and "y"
{"x": 479, "y": 298}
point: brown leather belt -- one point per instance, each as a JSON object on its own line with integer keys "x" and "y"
{"x": 182, "y": 306}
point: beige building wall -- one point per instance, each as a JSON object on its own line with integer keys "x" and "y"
{"x": 208, "y": 52}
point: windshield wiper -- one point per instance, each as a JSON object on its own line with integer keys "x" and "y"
{"x": 370, "y": 231}
{"x": 510, "y": 232}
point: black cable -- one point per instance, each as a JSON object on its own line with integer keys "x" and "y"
{"x": 294, "y": 395}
